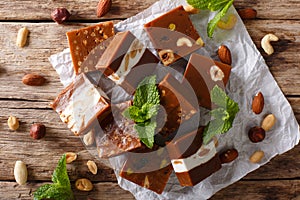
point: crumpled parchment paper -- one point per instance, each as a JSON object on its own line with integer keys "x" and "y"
{"x": 249, "y": 75}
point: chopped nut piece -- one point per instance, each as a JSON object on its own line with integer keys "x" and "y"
{"x": 166, "y": 56}
{"x": 70, "y": 157}
{"x": 92, "y": 167}
{"x": 22, "y": 37}
{"x": 13, "y": 123}
{"x": 216, "y": 73}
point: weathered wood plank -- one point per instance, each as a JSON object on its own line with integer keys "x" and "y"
{"x": 258, "y": 190}
{"x": 48, "y": 38}
{"x": 86, "y": 10}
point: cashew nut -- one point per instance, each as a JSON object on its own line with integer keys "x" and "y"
{"x": 265, "y": 43}
{"x": 229, "y": 24}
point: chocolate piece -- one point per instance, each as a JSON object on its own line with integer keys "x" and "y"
{"x": 118, "y": 135}
{"x": 80, "y": 104}
{"x": 124, "y": 53}
{"x": 173, "y": 35}
{"x": 82, "y": 41}
{"x": 192, "y": 161}
{"x": 202, "y": 73}
{"x": 149, "y": 169}
{"x": 178, "y": 101}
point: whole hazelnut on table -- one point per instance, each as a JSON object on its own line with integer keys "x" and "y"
{"x": 60, "y": 15}
{"x": 256, "y": 134}
{"x": 37, "y": 131}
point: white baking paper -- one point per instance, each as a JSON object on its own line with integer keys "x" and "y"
{"x": 249, "y": 75}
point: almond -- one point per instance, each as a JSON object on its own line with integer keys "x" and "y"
{"x": 103, "y": 7}
{"x": 228, "y": 155}
{"x": 247, "y": 13}
{"x": 33, "y": 80}
{"x": 224, "y": 54}
{"x": 258, "y": 103}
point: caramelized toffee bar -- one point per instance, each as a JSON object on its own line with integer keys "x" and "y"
{"x": 173, "y": 35}
{"x": 124, "y": 53}
{"x": 203, "y": 74}
{"x": 151, "y": 171}
{"x": 193, "y": 161}
{"x": 117, "y": 134}
{"x": 178, "y": 101}
{"x": 82, "y": 41}
{"x": 80, "y": 104}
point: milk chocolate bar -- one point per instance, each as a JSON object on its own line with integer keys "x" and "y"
{"x": 82, "y": 41}
{"x": 193, "y": 161}
{"x": 173, "y": 35}
{"x": 178, "y": 101}
{"x": 202, "y": 73}
{"x": 118, "y": 134}
{"x": 149, "y": 169}
{"x": 80, "y": 104}
{"x": 124, "y": 53}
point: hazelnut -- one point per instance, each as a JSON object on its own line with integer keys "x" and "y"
{"x": 167, "y": 56}
{"x": 60, "y": 15}
{"x": 13, "y": 123}
{"x": 84, "y": 184}
{"x": 216, "y": 73}
{"x": 228, "y": 156}
{"x": 256, "y": 134}
{"x": 37, "y": 131}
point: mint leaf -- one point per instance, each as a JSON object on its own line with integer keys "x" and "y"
{"x": 223, "y": 115}
{"x": 215, "y": 5}
{"x": 141, "y": 114}
{"x": 146, "y": 132}
{"x": 213, "y": 23}
{"x": 146, "y": 92}
{"x": 61, "y": 187}
{"x": 200, "y": 4}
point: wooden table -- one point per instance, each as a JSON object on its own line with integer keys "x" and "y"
{"x": 279, "y": 179}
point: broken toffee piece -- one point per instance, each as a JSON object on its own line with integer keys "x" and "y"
{"x": 192, "y": 161}
{"x": 80, "y": 104}
{"x": 149, "y": 169}
{"x": 203, "y": 74}
{"x": 173, "y": 35}
{"x": 82, "y": 41}
{"x": 118, "y": 134}
{"x": 124, "y": 53}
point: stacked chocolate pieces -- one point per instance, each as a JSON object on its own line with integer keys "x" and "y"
{"x": 120, "y": 63}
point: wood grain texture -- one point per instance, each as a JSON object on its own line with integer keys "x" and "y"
{"x": 86, "y": 9}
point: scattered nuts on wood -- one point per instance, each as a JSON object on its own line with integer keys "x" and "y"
{"x": 247, "y": 13}
{"x": 166, "y": 56}
{"x": 89, "y": 138}
{"x": 257, "y": 156}
{"x": 256, "y": 134}
{"x": 266, "y": 45}
{"x": 22, "y": 37}
{"x": 224, "y": 54}
{"x": 191, "y": 10}
{"x": 13, "y": 123}
{"x": 92, "y": 167}
{"x": 268, "y": 122}
{"x": 228, "y": 156}
{"x": 33, "y": 80}
{"x": 70, "y": 157}
{"x": 84, "y": 184}
{"x": 103, "y": 7}
{"x": 20, "y": 172}
{"x": 258, "y": 103}
{"x": 37, "y": 131}
{"x": 60, "y": 15}
{"x": 229, "y": 24}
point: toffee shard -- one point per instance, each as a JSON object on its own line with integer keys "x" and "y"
{"x": 173, "y": 35}
{"x": 202, "y": 73}
{"x": 192, "y": 161}
{"x": 117, "y": 133}
{"x": 80, "y": 104}
{"x": 124, "y": 53}
{"x": 146, "y": 167}
{"x": 82, "y": 41}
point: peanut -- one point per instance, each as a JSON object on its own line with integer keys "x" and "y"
{"x": 84, "y": 184}
{"x": 22, "y": 37}
{"x": 92, "y": 167}
{"x": 13, "y": 123}
{"x": 257, "y": 156}
{"x": 268, "y": 122}
{"x": 70, "y": 157}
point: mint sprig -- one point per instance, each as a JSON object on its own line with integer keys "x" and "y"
{"x": 221, "y": 6}
{"x": 223, "y": 115}
{"x": 144, "y": 110}
{"x": 61, "y": 187}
